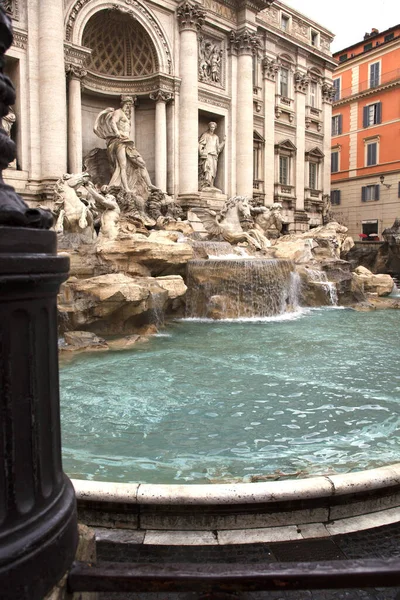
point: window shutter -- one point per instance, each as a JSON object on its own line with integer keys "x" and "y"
{"x": 363, "y": 194}
{"x": 377, "y": 191}
{"x": 378, "y": 113}
{"x": 365, "y": 116}
{"x": 399, "y": 190}
{"x": 340, "y": 124}
{"x": 338, "y": 192}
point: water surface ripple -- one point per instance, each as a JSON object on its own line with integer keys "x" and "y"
{"x": 222, "y": 401}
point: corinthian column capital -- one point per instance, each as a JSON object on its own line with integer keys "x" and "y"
{"x": 161, "y": 96}
{"x": 270, "y": 68}
{"x": 244, "y": 41}
{"x": 190, "y": 15}
{"x": 75, "y": 71}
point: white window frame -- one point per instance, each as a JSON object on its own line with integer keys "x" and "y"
{"x": 369, "y": 188}
{"x": 313, "y": 98}
{"x": 339, "y": 90}
{"x": 379, "y": 61}
{"x": 314, "y": 35}
{"x": 369, "y": 106}
{"x": 337, "y": 151}
{"x": 335, "y": 128}
{"x": 311, "y": 165}
{"x": 288, "y": 20}
{"x": 368, "y": 142}
{"x": 288, "y": 169}
{"x": 288, "y": 70}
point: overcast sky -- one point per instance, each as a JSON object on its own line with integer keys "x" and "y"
{"x": 349, "y": 20}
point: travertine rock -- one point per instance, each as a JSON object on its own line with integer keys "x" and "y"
{"x": 376, "y": 284}
{"x": 115, "y": 303}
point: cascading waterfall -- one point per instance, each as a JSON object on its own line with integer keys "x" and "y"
{"x": 213, "y": 250}
{"x": 241, "y": 288}
{"x": 320, "y": 278}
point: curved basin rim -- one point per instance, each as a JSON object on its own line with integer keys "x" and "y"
{"x": 240, "y": 493}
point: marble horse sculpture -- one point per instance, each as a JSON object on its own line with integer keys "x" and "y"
{"x": 226, "y": 223}
{"x": 72, "y": 214}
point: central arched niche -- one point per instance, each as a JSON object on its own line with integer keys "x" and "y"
{"x": 122, "y": 51}
{"x": 120, "y": 46}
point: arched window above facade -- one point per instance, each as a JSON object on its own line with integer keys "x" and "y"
{"x": 120, "y": 46}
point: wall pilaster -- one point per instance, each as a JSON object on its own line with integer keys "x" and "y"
{"x": 270, "y": 70}
{"x": 161, "y": 98}
{"x": 301, "y": 88}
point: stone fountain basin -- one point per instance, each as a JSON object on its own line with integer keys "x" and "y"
{"x": 244, "y": 513}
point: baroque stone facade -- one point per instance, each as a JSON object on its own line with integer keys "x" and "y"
{"x": 262, "y": 75}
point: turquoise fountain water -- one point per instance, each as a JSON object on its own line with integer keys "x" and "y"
{"x": 311, "y": 392}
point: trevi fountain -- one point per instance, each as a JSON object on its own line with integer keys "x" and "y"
{"x": 209, "y": 345}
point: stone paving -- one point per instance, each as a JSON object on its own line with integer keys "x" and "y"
{"x": 382, "y": 542}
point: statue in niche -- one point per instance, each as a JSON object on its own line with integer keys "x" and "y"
{"x": 7, "y": 123}
{"x": 209, "y": 150}
{"x": 227, "y": 223}
{"x": 129, "y": 170}
{"x": 210, "y": 57}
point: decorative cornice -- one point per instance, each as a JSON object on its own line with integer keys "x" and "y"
{"x": 270, "y": 68}
{"x": 301, "y": 82}
{"x": 76, "y": 55}
{"x": 256, "y": 5}
{"x": 190, "y": 16}
{"x": 161, "y": 96}
{"x": 214, "y": 99}
{"x": 369, "y": 92}
{"x": 20, "y": 39}
{"x": 244, "y": 41}
{"x": 138, "y": 87}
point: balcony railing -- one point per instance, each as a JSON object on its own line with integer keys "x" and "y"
{"x": 363, "y": 86}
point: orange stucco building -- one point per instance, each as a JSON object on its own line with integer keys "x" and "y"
{"x": 365, "y": 159}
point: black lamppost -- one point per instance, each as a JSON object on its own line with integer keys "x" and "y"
{"x": 38, "y": 530}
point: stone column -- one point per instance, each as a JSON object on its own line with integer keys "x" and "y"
{"x": 245, "y": 42}
{"x": 75, "y": 75}
{"x": 301, "y": 88}
{"x": 270, "y": 70}
{"x": 191, "y": 16}
{"x": 161, "y": 98}
{"x": 52, "y": 89}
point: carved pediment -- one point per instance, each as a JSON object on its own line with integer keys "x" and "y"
{"x": 285, "y": 147}
{"x": 315, "y": 154}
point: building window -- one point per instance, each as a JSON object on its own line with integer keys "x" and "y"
{"x": 335, "y": 197}
{"x": 336, "y": 85}
{"x": 284, "y": 165}
{"x": 389, "y": 37}
{"x": 285, "y": 22}
{"x": 374, "y": 74}
{"x": 314, "y": 38}
{"x": 343, "y": 57}
{"x": 337, "y": 124}
{"x": 369, "y": 192}
{"x": 313, "y": 175}
{"x": 313, "y": 94}
{"x": 372, "y": 154}
{"x": 258, "y": 153}
{"x": 284, "y": 83}
{"x": 368, "y": 47}
{"x": 335, "y": 162}
{"x": 372, "y": 114}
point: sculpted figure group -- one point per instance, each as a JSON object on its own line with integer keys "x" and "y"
{"x": 115, "y": 195}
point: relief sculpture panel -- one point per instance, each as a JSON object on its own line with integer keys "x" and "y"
{"x": 211, "y": 61}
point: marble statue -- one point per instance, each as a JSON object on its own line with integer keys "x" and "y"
{"x": 209, "y": 150}
{"x": 227, "y": 223}
{"x": 267, "y": 218}
{"x": 110, "y": 212}
{"x": 8, "y": 121}
{"x": 129, "y": 169}
{"x": 73, "y": 215}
